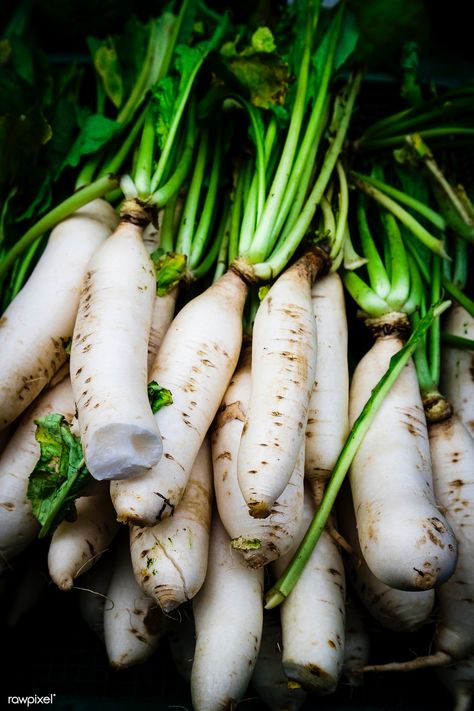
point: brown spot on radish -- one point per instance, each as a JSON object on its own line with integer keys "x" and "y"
{"x": 333, "y": 571}
{"x": 331, "y": 644}
{"x": 87, "y": 348}
{"x": 314, "y": 670}
{"x": 3, "y": 321}
{"x": 456, "y": 483}
{"x": 8, "y": 505}
{"x": 90, "y": 546}
{"x": 225, "y": 455}
{"x": 437, "y": 524}
{"x": 79, "y": 370}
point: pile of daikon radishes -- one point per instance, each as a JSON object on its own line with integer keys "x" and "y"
{"x": 175, "y": 387}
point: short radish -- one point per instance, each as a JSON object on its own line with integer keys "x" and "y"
{"x": 133, "y": 623}
{"x": 119, "y": 434}
{"x": 313, "y": 614}
{"x": 77, "y": 545}
{"x": 404, "y": 537}
{"x": 328, "y": 414}
{"x": 196, "y": 361}
{"x": 259, "y": 540}
{"x": 37, "y": 325}
{"x": 228, "y": 614}
{"x": 283, "y": 370}
{"x": 170, "y": 559}
{"x": 398, "y": 610}
{"x": 457, "y": 381}
{"x": 18, "y": 526}
{"x": 269, "y": 679}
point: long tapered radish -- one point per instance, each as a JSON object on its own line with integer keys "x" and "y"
{"x": 196, "y": 361}
{"x": 269, "y": 679}
{"x": 18, "y": 525}
{"x": 397, "y": 610}
{"x": 356, "y": 643}
{"x": 170, "y": 559}
{"x": 93, "y": 594}
{"x": 259, "y": 540}
{"x": 133, "y": 623}
{"x": 457, "y": 381}
{"x": 328, "y": 413}
{"x": 119, "y": 434}
{"x": 228, "y": 615}
{"x": 283, "y": 369}
{"x": 313, "y": 614}
{"x": 37, "y": 325}
{"x": 404, "y": 537}
{"x": 458, "y": 679}
{"x": 77, "y": 545}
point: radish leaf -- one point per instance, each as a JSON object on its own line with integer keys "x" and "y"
{"x": 170, "y": 269}
{"x": 159, "y": 397}
{"x": 60, "y": 474}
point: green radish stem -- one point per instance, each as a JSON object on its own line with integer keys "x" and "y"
{"x": 379, "y": 281}
{"x": 457, "y": 341}
{"x": 282, "y": 588}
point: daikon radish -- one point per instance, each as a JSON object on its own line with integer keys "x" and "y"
{"x": 404, "y": 537}
{"x": 77, "y": 545}
{"x": 37, "y": 325}
{"x": 458, "y": 679}
{"x": 119, "y": 434}
{"x": 133, "y": 623}
{"x": 195, "y": 362}
{"x": 457, "y": 381}
{"x": 258, "y": 540}
{"x": 170, "y": 559}
{"x": 328, "y": 414}
{"x": 228, "y": 614}
{"x": 313, "y": 614}
{"x": 283, "y": 371}
{"x": 18, "y": 525}
{"x": 162, "y": 317}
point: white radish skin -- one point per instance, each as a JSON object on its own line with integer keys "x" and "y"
{"x": 269, "y": 679}
{"x": 196, "y": 361}
{"x": 458, "y": 679}
{"x": 170, "y": 559}
{"x": 405, "y": 539}
{"x": 397, "y": 610}
{"x": 77, "y": 545}
{"x": 283, "y": 370}
{"x": 228, "y": 614}
{"x": 119, "y": 434}
{"x": 258, "y": 540}
{"x": 313, "y": 634}
{"x": 328, "y": 414}
{"x": 457, "y": 366}
{"x": 37, "y": 324}
{"x": 133, "y": 623}
{"x": 356, "y": 644}
{"x": 18, "y": 525}
{"x": 93, "y": 594}
{"x": 163, "y": 314}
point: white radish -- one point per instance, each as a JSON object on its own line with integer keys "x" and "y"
{"x": 458, "y": 679}
{"x": 457, "y": 367}
{"x": 18, "y": 525}
{"x": 328, "y": 414}
{"x": 133, "y": 623}
{"x": 196, "y": 361}
{"x": 269, "y": 679}
{"x": 162, "y": 317}
{"x": 170, "y": 559}
{"x": 405, "y": 539}
{"x": 283, "y": 370}
{"x": 356, "y": 643}
{"x": 313, "y": 614}
{"x": 259, "y": 540}
{"x": 77, "y": 545}
{"x": 93, "y": 594}
{"x": 228, "y": 614}
{"x": 397, "y": 610}
{"x": 37, "y": 325}
{"x": 119, "y": 434}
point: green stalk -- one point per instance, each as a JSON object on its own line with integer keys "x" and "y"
{"x": 457, "y": 341}
{"x": 416, "y": 287}
{"x": 259, "y": 247}
{"x": 212, "y": 253}
{"x": 423, "y": 371}
{"x": 222, "y": 257}
{"x": 20, "y": 275}
{"x": 142, "y": 174}
{"x": 422, "y": 208}
{"x": 363, "y": 295}
{"x": 115, "y": 163}
{"x": 379, "y": 281}
{"x": 415, "y": 227}
{"x": 337, "y": 243}
{"x": 236, "y": 213}
{"x": 434, "y": 340}
{"x": 460, "y": 263}
{"x": 458, "y": 296}
{"x": 97, "y": 189}
{"x": 399, "y": 269}
{"x": 285, "y": 584}
{"x": 280, "y": 258}
{"x": 351, "y": 259}
{"x": 188, "y": 220}
{"x": 439, "y": 132}
{"x": 167, "y": 228}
